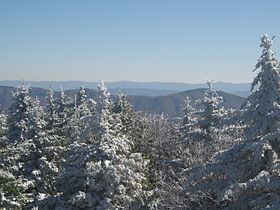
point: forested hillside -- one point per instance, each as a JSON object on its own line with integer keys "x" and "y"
{"x": 94, "y": 151}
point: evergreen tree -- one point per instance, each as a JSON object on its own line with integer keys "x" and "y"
{"x": 211, "y": 114}
{"x": 73, "y": 129}
{"x": 12, "y": 187}
{"x": 82, "y": 97}
{"x": 18, "y": 114}
{"x": 104, "y": 175}
{"x": 62, "y": 107}
{"x": 38, "y": 162}
{"x": 188, "y": 122}
{"x": 31, "y": 156}
{"x": 56, "y": 118}
{"x": 51, "y": 110}
{"x": 63, "y": 112}
{"x": 81, "y": 116}
{"x": 247, "y": 175}
{"x": 126, "y": 114}
{"x": 106, "y": 120}
{"x": 36, "y": 120}
{"x": 261, "y": 111}
{"x": 85, "y": 106}
{"x": 118, "y": 176}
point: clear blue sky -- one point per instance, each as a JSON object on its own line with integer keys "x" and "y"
{"x": 137, "y": 40}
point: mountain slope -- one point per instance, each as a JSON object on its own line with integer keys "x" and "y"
{"x": 171, "y": 104}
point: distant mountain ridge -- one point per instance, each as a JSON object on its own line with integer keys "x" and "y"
{"x": 172, "y": 104}
{"x": 169, "y": 104}
{"x": 136, "y": 88}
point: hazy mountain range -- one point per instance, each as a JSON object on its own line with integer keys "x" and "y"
{"x": 137, "y": 88}
{"x": 169, "y": 104}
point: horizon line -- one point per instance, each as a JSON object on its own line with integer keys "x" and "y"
{"x": 116, "y": 81}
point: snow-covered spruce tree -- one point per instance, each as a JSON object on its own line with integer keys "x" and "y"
{"x": 126, "y": 114}
{"x": 30, "y": 152}
{"x": 206, "y": 137}
{"x": 51, "y": 110}
{"x": 85, "y": 105}
{"x": 36, "y": 119}
{"x": 82, "y": 96}
{"x": 188, "y": 121}
{"x": 118, "y": 175}
{"x": 80, "y": 116}
{"x": 41, "y": 159}
{"x": 104, "y": 174}
{"x": 72, "y": 127}
{"x": 211, "y": 113}
{"x": 247, "y": 175}
{"x": 18, "y": 113}
{"x": 11, "y": 188}
{"x": 105, "y": 104}
{"x": 39, "y": 163}
{"x": 16, "y": 144}
{"x": 262, "y": 110}
{"x": 56, "y": 113}
{"x": 63, "y": 112}
{"x": 107, "y": 120}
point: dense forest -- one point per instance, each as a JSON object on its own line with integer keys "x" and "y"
{"x": 77, "y": 153}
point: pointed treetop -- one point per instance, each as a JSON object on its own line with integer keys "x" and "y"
{"x": 210, "y": 84}
{"x": 62, "y": 95}
{"x": 81, "y": 97}
{"x": 22, "y": 89}
{"x": 82, "y": 88}
{"x": 266, "y": 42}
{"x": 51, "y": 91}
{"x": 267, "y": 54}
{"x": 101, "y": 83}
{"x": 103, "y": 91}
{"x": 22, "y": 82}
